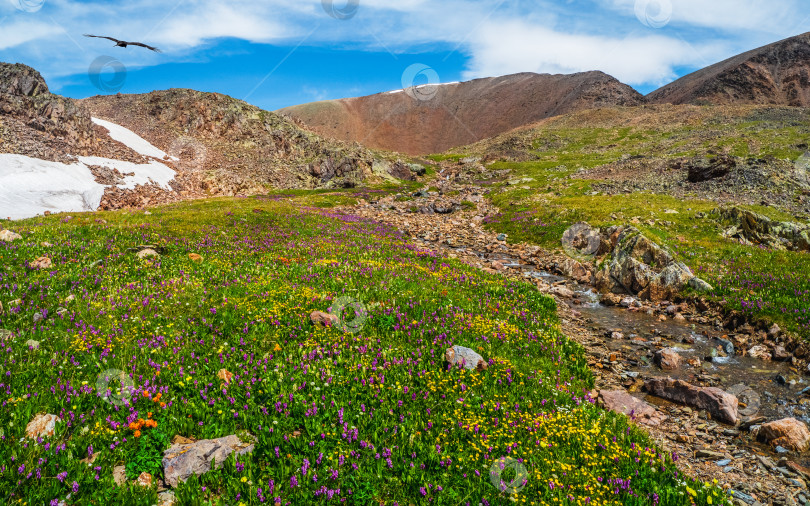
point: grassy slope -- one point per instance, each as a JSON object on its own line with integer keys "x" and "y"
{"x": 375, "y": 413}
{"x": 772, "y": 284}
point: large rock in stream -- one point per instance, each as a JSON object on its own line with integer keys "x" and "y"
{"x": 719, "y": 403}
{"x": 639, "y": 266}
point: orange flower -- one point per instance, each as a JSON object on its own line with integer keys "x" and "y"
{"x": 149, "y": 415}
{"x": 137, "y": 433}
{"x": 145, "y": 393}
{"x": 162, "y": 404}
{"x": 133, "y": 426}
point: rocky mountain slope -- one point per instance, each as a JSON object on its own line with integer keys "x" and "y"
{"x": 778, "y": 74}
{"x": 437, "y": 118}
{"x": 238, "y": 148}
{"x": 36, "y": 123}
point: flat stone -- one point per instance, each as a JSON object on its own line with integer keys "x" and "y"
{"x": 721, "y": 404}
{"x": 41, "y": 263}
{"x": 183, "y": 460}
{"x": 119, "y": 475}
{"x": 619, "y": 401}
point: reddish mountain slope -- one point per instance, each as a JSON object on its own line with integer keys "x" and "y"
{"x": 777, "y": 74}
{"x": 460, "y": 113}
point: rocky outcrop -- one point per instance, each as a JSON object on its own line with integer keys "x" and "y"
{"x": 236, "y": 148}
{"x": 36, "y": 123}
{"x": 705, "y": 169}
{"x": 752, "y": 228}
{"x": 9, "y": 236}
{"x": 720, "y": 404}
{"x": 638, "y": 266}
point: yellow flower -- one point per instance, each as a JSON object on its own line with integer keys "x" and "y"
{"x": 244, "y": 479}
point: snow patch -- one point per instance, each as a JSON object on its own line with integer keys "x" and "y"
{"x": 132, "y": 140}
{"x": 29, "y": 186}
{"x": 152, "y": 172}
{"x": 422, "y": 86}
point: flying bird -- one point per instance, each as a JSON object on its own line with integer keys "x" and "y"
{"x": 121, "y": 43}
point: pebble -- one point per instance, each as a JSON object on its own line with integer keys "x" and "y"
{"x": 723, "y": 463}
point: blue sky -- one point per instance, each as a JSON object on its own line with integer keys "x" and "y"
{"x": 275, "y": 53}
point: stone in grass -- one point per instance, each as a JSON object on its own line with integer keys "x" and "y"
{"x": 147, "y": 253}
{"x": 323, "y": 319}
{"x": 41, "y": 263}
{"x": 194, "y": 257}
{"x": 144, "y": 480}
{"x": 31, "y": 344}
{"x": 9, "y": 236}
{"x": 120, "y": 475}
{"x": 469, "y": 358}
{"x": 42, "y": 425}
{"x": 183, "y": 460}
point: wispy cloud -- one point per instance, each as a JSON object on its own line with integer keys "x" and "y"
{"x": 496, "y": 36}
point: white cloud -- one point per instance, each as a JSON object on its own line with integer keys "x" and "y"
{"x": 499, "y": 36}
{"x": 772, "y": 16}
{"x": 504, "y": 47}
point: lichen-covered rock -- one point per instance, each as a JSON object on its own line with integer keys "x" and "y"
{"x": 41, "y": 263}
{"x": 9, "y": 236}
{"x": 466, "y": 357}
{"x": 183, "y": 460}
{"x": 323, "y": 319}
{"x": 42, "y": 425}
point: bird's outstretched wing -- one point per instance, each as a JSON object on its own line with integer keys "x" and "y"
{"x": 144, "y": 45}
{"x": 102, "y": 37}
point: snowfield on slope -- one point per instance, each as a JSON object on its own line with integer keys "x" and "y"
{"x": 30, "y": 186}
